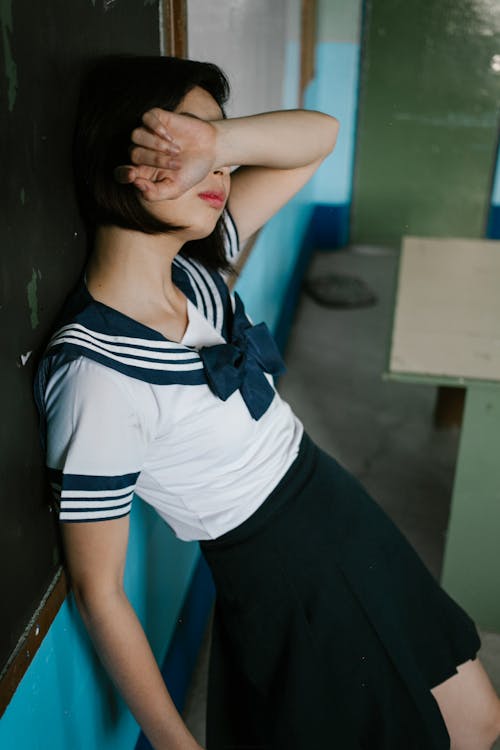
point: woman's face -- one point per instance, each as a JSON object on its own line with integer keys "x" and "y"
{"x": 197, "y": 214}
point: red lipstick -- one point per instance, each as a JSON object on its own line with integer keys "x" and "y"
{"x": 213, "y": 198}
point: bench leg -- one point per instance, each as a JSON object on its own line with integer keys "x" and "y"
{"x": 471, "y": 567}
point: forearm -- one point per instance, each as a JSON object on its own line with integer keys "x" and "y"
{"x": 125, "y": 652}
{"x": 283, "y": 140}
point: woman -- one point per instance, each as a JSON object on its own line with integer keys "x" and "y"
{"x": 329, "y": 631}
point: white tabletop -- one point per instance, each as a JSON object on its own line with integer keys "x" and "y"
{"x": 447, "y": 314}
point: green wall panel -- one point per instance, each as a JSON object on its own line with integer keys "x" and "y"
{"x": 428, "y": 119}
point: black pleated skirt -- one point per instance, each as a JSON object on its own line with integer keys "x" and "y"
{"x": 329, "y": 630}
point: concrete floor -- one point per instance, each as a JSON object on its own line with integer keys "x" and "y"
{"x": 381, "y": 431}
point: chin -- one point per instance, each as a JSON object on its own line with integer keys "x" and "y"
{"x": 200, "y": 230}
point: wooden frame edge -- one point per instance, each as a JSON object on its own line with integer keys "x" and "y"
{"x": 31, "y": 640}
{"x": 174, "y": 31}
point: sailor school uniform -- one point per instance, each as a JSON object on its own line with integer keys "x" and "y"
{"x": 195, "y": 428}
{"x": 327, "y": 623}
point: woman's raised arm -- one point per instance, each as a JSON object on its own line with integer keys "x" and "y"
{"x": 278, "y": 152}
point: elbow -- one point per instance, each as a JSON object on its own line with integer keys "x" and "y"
{"x": 325, "y": 132}
{"x": 332, "y": 133}
{"x": 94, "y": 600}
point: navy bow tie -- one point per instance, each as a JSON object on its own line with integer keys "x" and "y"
{"x": 241, "y": 363}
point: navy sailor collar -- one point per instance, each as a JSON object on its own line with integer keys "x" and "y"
{"x": 93, "y": 329}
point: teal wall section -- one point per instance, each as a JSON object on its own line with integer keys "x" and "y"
{"x": 336, "y": 94}
{"x": 493, "y": 230}
{"x": 335, "y": 91}
{"x": 495, "y": 196}
{"x": 269, "y": 271}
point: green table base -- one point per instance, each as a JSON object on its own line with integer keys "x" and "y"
{"x": 471, "y": 568}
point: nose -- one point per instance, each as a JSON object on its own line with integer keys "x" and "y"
{"x": 222, "y": 170}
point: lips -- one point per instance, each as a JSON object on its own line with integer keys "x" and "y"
{"x": 213, "y": 197}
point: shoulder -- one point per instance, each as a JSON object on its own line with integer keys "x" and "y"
{"x": 92, "y": 411}
{"x": 82, "y": 386}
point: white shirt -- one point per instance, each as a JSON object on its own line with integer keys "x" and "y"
{"x": 203, "y": 463}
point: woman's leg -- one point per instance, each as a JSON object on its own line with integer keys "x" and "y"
{"x": 470, "y": 707}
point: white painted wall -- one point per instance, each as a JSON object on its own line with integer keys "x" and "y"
{"x": 248, "y": 40}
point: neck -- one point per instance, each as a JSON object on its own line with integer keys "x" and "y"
{"x": 132, "y": 271}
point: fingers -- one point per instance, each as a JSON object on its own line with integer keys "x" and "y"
{"x": 152, "y": 152}
{"x": 157, "y": 120}
{"x": 157, "y": 191}
{"x": 124, "y": 174}
{"x": 154, "y": 184}
{"x": 151, "y": 140}
{"x": 145, "y": 156}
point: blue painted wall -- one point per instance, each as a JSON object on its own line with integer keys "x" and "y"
{"x": 335, "y": 91}
{"x": 270, "y": 268}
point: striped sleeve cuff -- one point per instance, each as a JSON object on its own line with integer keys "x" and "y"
{"x": 85, "y": 497}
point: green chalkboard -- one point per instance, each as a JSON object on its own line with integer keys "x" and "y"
{"x": 42, "y": 251}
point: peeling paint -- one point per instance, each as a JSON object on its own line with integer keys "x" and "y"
{"x": 9, "y": 62}
{"x": 32, "y": 293}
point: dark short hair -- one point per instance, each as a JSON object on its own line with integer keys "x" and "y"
{"x": 115, "y": 92}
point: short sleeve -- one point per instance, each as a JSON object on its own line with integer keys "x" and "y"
{"x": 232, "y": 242}
{"x": 95, "y": 442}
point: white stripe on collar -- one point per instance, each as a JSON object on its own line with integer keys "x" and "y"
{"x": 211, "y": 298}
{"x": 78, "y": 335}
{"x": 126, "y": 340}
{"x": 232, "y": 244}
